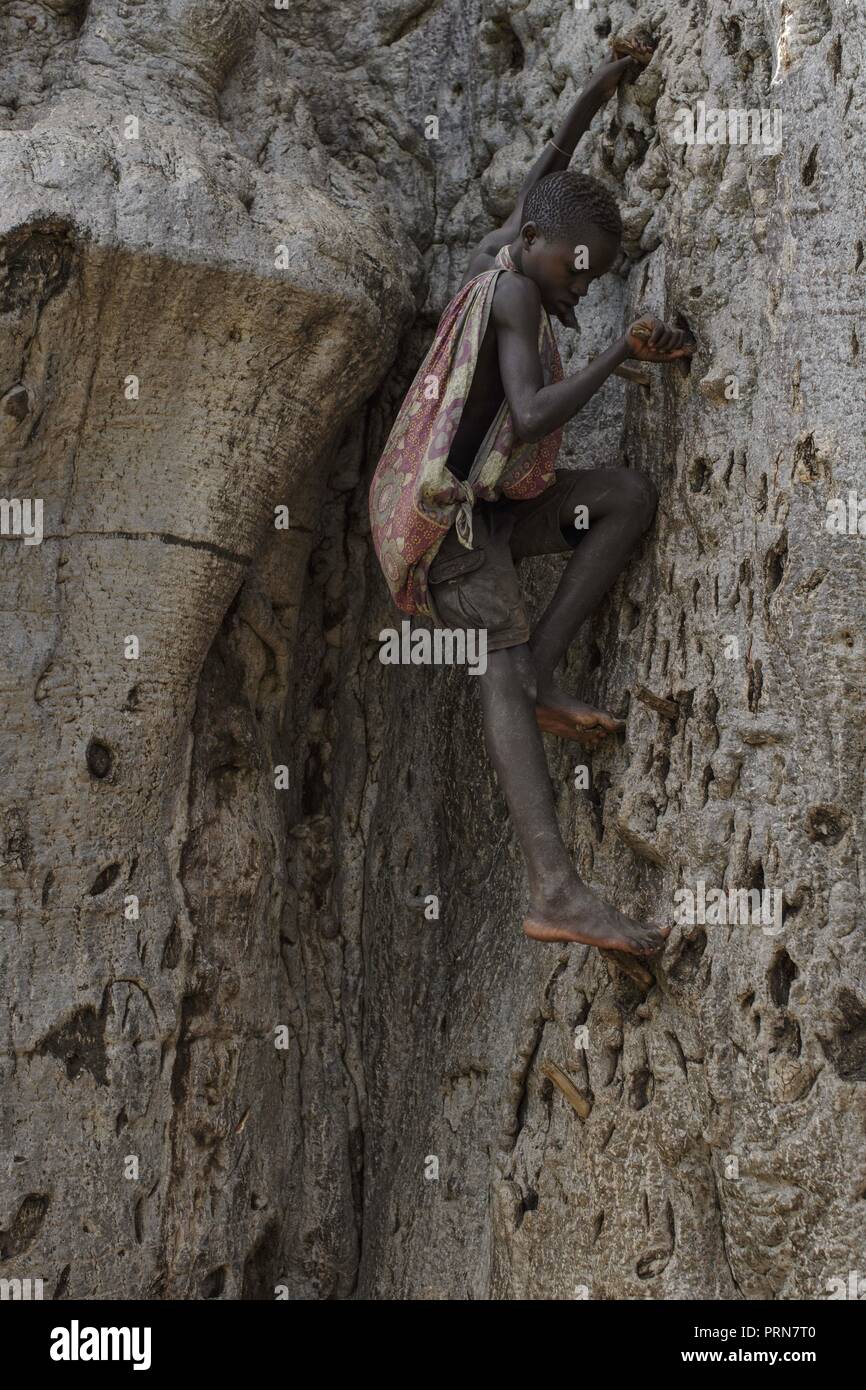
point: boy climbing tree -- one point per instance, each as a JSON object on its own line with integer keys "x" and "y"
{"x": 467, "y": 486}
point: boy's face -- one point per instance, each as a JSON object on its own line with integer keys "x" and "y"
{"x": 565, "y": 269}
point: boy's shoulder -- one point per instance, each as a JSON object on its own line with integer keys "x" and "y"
{"x": 516, "y": 300}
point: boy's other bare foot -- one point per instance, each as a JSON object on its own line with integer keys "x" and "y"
{"x": 559, "y": 713}
{"x": 575, "y": 913}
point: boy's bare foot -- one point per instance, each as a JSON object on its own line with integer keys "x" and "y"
{"x": 575, "y": 913}
{"x": 556, "y": 712}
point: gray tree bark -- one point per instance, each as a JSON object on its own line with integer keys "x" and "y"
{"x": 234, "y": 983}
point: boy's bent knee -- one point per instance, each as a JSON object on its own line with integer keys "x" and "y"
{"x": 498, "y": 667}
{"x": 640, "y": 496}
{"x": 529, "y": 686}
{"x": 508, "y": 670}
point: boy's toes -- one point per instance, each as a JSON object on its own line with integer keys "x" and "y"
{"x": 659, "y": 935}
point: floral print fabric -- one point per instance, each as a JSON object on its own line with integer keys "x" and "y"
{"x": 414, "y": 497}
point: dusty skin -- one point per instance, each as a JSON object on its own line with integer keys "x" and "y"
{"x": 574, "y": 913}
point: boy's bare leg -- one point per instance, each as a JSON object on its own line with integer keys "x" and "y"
{"x": 561, "y": 907}
{"x": 620, "y": 504}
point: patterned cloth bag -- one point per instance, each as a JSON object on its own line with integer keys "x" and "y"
{"x": 414, "y": 497}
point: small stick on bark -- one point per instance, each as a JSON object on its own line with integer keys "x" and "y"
{"x": 669, "y": 708}
{"x": 567, "y": 1087}
{"x": 631, "y": 967}
{"x": 633, "y": 374}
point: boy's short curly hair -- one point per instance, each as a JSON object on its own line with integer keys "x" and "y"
{"x": 560, "y": 204}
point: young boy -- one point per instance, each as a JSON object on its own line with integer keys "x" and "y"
{"x": 466, "y": 486}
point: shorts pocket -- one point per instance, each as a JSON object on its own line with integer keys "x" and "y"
{"x": 470, "y": 616}
{"x": 490, "y": 597}
{"x": 441, "y": 570}
{"x": 446, "y": 578}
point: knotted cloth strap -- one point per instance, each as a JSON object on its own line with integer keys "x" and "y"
{"x": 463, "y": 520}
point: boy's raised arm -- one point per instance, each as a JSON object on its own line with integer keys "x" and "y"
{"x": 556, "y": 154}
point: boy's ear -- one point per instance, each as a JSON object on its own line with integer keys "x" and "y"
{"x": 529, "y": 232}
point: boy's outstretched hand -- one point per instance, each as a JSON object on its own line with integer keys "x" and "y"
{"x": 624, "y": 59}
{"x": 638, "y": 45}
{"x": 604, "y": 81}
{"x": 649, "y": 340}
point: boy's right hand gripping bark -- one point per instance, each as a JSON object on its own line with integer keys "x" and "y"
{"x": 649, "y": 340}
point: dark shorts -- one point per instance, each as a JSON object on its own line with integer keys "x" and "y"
{"x": 479, "y": 588}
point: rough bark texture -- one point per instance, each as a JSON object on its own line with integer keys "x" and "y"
{"x": 308, "y": 1166}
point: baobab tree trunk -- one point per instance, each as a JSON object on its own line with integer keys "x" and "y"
{"x": 239, "y": 1057}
